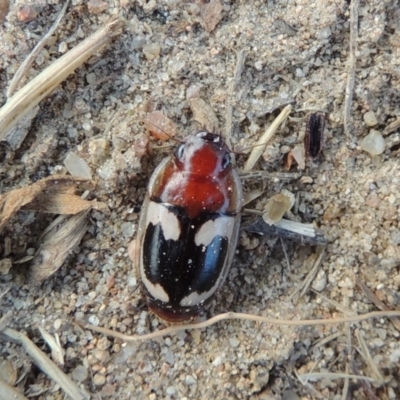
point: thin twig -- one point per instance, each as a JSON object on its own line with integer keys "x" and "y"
{"x": 351, "y": 67}
{"x": 29, "y": 60}
{"x": 241, "y": 57}
{"x": 231, "y": 315}
{"x": 44, "y": 363}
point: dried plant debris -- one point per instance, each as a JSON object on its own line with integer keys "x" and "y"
{"x": 297, "y": 154}
{"x": 27, "y": 98}
{"x": 54, "y": 194}
{"x": 260, "y": 146}
{"x": 59, "y": 240}
{"x": 28, "y": 11}
{"x": 204, "y": 114}
{"x": 276, "y": 207}
{"x": 371, "y": 296}
{"x": 211, "y": 14}
{"x": 314, "y": 138}
{"x": 302, "y": 233}
{"x": 159, "y": 125}
{"x": 57, "y": 352}
{"x": 44, "y": 363}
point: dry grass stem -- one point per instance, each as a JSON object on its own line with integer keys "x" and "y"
{"x": 44, "y": 363}
{"x": 43, "y": 84}
{"x": 232, "y": 93}
{"x": 363, "y": 350}
{"x": 351, "y": 67}
{"x": 231, "y": 315}
{"x": 31, "y": 58}
{"x": 259, "y": 148}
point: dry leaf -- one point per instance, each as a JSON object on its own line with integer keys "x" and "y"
{"x": 63, "y": 203}
{"x": 204, "y": 114}
{"x": 12, "y": 201}
{"x": 210, "y": 14}
{"x": 159, "y": 125}
{"x": 59, "y": 240}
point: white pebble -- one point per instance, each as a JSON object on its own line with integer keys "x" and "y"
{"x": 94, "y": 320}
{"x": 373, "y": 143}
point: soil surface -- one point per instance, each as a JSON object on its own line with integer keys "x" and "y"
{"x": 296, "y": 52}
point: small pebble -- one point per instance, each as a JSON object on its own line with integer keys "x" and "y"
{"x": 171, "y": 390}
{"x": 370, "y": 118}
{"x": 26, "y": 13}
{"x": 80, "y": 373}
{"x": 373, "y": 143}
{"x": 372, "y": 200}
{"x": 97, "y": 6}
{"x": 127, "y": 229}
{"x": 99, "y": 379}
{"x": 94, "y": 320}
{"x": 320, "y": 281}
{"x": 151, "y": 51}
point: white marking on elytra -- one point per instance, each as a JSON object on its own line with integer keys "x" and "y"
{"x": 222, "y": 226}
{"x": 156, "y": 290}
{"x": 159, "y": 214}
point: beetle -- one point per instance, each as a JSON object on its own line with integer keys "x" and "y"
{"x": 188, "y": 228}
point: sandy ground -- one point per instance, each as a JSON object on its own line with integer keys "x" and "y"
{"x": 296, "y": 53}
